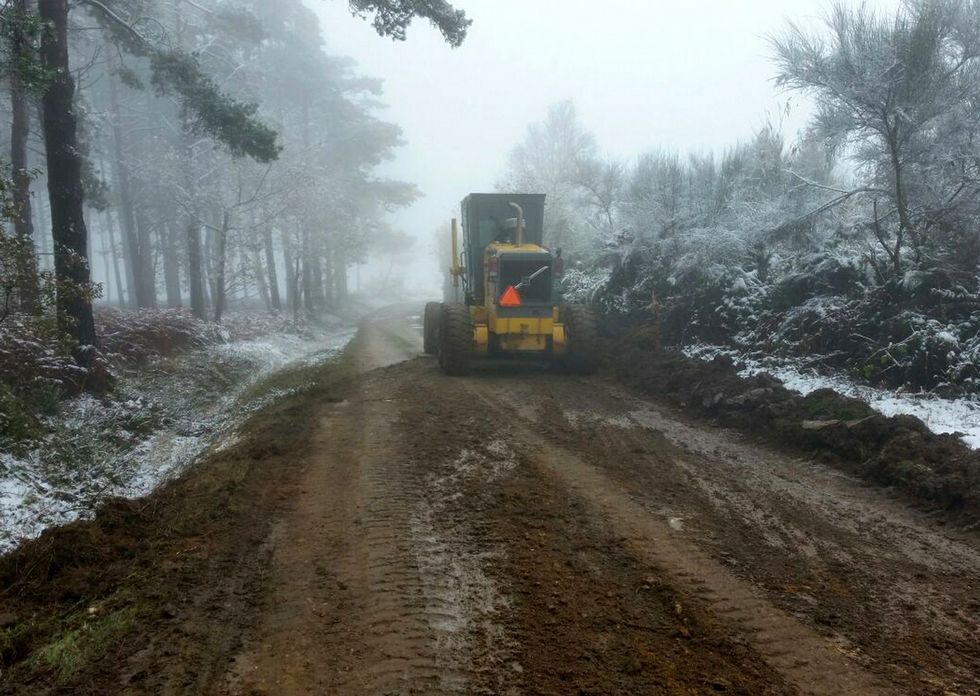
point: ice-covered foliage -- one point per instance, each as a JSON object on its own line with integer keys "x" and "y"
{"x": 178, "y": 381}
{"x": 855, "y": 248}
{"x": 37, "y": 370}
{"x": 33, "y": 359}
{"x": 583, "y": 285}
{"x": 149, "y": 334}
{"x": 769, "y": 251}
{"x": 161, "y": 416}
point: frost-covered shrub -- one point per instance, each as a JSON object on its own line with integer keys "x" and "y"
{"x": 918, "y": 331}
{"x": 16, "y": 421}
{"x": 244, "y": 326}
{"x": 712, "y": 308}
{"x": 37, "y": 370}
{"x": 821, "y": 324}
{"x": 584, "y": 286}
{"x": 33, "y": 358}
{"x": 816, "y": 274}
{"x": 149, "y": 334}
{"x": 922, "y": 351}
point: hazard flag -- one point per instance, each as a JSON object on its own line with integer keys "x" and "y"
{"x": 510, "y": 298}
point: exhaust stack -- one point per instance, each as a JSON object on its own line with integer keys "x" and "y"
{"x": 455, "y": 270}
{"x": 520, "y": 222}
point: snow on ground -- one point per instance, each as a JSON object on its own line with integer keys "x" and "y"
{"x": 941, "y": 415}
{"x": 162, "y": 417}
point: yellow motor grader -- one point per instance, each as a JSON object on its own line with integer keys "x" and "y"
{"x": 505, "y": 301}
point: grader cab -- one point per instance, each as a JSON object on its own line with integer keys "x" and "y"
{"x": 504, "y": 299}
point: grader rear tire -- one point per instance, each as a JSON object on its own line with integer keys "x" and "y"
{"x": 455, "y": 339}
{"x": 582, "y": 354}
{"x": 430, "y": 327}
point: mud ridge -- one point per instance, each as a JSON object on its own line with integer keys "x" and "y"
{"x": 895, "y": 451}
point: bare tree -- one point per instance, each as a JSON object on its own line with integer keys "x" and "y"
{"x": 552, "y": 160}
{"x": 883, "y": 85}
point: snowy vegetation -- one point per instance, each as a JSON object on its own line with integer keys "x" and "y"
{"x": 168, "y": 406}
{"x": 853, "y": 248}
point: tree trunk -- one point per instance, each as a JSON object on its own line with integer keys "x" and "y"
{"x": 44, "y": 239}
{"x": 318, "y": 295}
{"x": 171, "y": 268}
{"x": 195, "y": 269}
{"x": 243, "y": 287}
{"x": 340, "y": 274}
{"x": 270, "y": 262}
{"x": 28, "y": 286}
{"x": 195, "y": 274}
{"x": 146, "y": 282}
{"x": 292, "y": 276}
{"x": 296, "y": 293}
{"x": 901, "y": 205}
{"x": 207, "y": 263}
{"x": 127, "y": 216}
{"x": 307, "y": 270}
{"x": 219, "y": 275}
{"x": 328, "y": 289}
{"x": 64, "y": 165}
{"x": 106, "y": 252}
{"x": 260, "y": 280}
{"x": 287, "y": 253}
{"x": 111, "y": 230}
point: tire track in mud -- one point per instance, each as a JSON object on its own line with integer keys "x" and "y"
{"x": 440, "y": 535}
{"x": 796, "y": 651}
{"x": 463, "y": 602}
{"x": 586, "y": 615}
{"x": 376, "y": 588}
{"x": 895, "y": 589}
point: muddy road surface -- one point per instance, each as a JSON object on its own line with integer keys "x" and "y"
{"x": 523, "y": 531}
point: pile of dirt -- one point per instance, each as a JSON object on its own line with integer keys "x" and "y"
{"x": 71, "y": 562}
{"x": 897, "y": 451}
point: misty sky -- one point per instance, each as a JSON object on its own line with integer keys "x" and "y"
{"x": 643, "y": 74}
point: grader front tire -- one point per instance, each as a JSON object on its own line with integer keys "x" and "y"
{"x": 582, "y": 354}
{"x": 455, "y": 339}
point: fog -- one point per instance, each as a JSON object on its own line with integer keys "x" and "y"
{"x": 693, "y": 77}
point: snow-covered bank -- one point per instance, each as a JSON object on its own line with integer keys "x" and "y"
{"x": 941, "y": 415}
{"x": 161, "y": 418}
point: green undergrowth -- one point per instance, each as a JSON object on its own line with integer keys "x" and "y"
{"x": 827, "y": 405}
{"x": 90, "y": 637}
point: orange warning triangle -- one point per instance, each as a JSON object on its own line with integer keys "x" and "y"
{"x": 510, "y": 298}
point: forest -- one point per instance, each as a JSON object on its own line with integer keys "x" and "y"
{"x": 181, "y": 155}
{"x": 179, "y": 181}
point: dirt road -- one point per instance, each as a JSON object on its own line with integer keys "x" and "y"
{"x": 523, "y": 531}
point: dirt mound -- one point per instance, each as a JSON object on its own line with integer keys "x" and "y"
{"x": 70, "y": 562}
{"x": 897, "y": 451}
